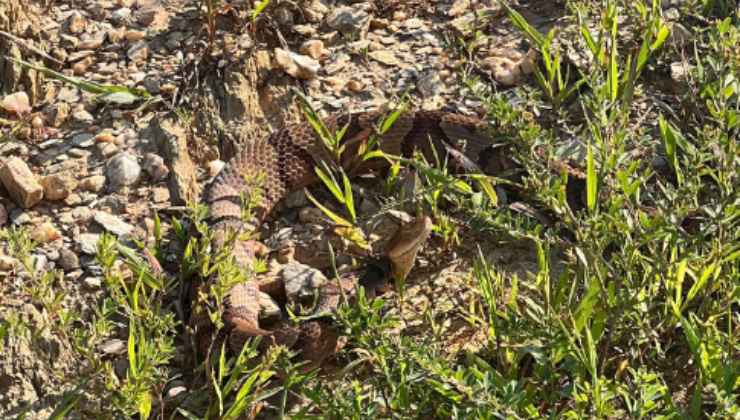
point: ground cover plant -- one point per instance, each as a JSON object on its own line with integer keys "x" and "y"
{"x": 632, "y": 309}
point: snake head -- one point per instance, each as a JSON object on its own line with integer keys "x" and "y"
{"x": 405, "y": 245}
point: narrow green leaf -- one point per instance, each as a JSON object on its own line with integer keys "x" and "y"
{"x": 349, "y": 197}
{"x": 591, "y": 180}
{"x": 487, "y": 188}
{"x": 613, "y": 73}
{"x": 708, "y": 271}
{"x": 337, "y": 219}
{"x": 587, "y": 305}
{"x": 590, "y": 43}
{"x": 680, "y": 276}
{"x": 373, "y": 154}
{"x": 240, "y": 402}
{"x": 544, "y": 84}
{"x": 187, "y": 414}
{"x": 518, "y": 20}
{"x": 670, "y": 142}
{"x": 222, "y": 364}
{"x": 663, "y": 33}
{"x": 125, "y": 93}
{"x": 390, "y": 120}
{"x": 133, "y": 368}
{"x": 157, "y": 227}
{"x": 331, "y": 183}
{"x": 732, "y": 256}
{"x": 643, "y": 55}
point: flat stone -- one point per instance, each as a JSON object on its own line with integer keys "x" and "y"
{"x": 175, "y": 391}
{"x": 83, "y": 140}
{"x": 82, "y": 214}
{"x": 21, "y": 183}
{"x": 93, "y": 183}
{"x": 93, "y": 282}
{"x": 297, "y": 65}
{"x": 58, "y": 186}
{"x": 88, "y": 243}
{"x": 386, "y": 57}
{"x": 68, "y": 260}
{"x": 314, "y": 48}
{"x": 301, "y": 281}
{"x": 113, "y": 224}
{"x": 82, "y": 116}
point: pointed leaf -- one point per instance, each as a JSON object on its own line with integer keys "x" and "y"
{"x": 331, "y": 183}
{"x": 349, "y": 197}
{"x": 330, "y": 214}
{"x": 591, "y": 180}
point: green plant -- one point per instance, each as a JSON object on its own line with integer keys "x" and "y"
{"x": 114, "y": 94}
{"x": 553, "y": 82}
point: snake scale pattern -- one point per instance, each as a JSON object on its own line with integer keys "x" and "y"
{"x": 285, "y": 162}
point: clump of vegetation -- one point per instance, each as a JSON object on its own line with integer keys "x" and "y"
{"x": 640, "y": 320}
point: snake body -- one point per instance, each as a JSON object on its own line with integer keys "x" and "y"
{"x": 285, "y": 162}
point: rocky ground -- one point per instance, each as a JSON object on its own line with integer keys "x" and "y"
{"x": 75, "y": 164}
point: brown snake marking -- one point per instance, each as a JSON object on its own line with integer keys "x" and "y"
{"x": 287, "y": 158}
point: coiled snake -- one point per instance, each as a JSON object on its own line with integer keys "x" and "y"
{"x": 285, "y": 162}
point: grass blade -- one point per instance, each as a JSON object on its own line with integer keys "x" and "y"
{"x": 330, "y": 182}
{"x": 518, "y": 20}
{"x": 337, "y": 219}
{"x": 121, "y": 95}
{"x": 132, "y": 349}
{"x": 591, "y": 180}
{"x": 613, "y": 73}
{"x": 349, "y": 198}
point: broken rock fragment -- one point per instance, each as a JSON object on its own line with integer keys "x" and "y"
{"x": 20, "y": 182}
{"x": 297, "y": 65}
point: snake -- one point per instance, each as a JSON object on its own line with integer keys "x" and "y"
{"x": 285, "y": 161}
